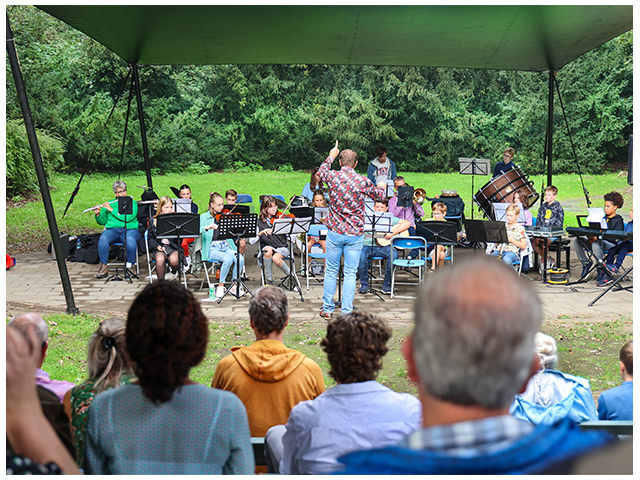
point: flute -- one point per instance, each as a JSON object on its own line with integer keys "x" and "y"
{"x": 99, "y": 205}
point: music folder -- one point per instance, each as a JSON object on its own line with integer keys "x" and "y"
{"x": 596, "y": 218}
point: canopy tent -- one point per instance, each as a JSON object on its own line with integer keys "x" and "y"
{"x": 531, "y": 38}
{"x": 528, "y": 37}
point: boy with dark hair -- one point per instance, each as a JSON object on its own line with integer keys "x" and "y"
{"x": 612, "y": 202}
{"x": 381, "y": 168}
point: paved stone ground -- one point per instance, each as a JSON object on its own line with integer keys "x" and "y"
{"x": 34, "y": 284}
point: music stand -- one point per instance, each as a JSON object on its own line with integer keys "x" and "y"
{"x": 178, "y": 226}
{"x": 291, "y": 226}
{"x": 125, "y": 207}
{"x": 377, "y": 222}
{"x": 237, "y": 227}
{"x": 500, "y": 212}
{"x": 473, "y": 167}
{"x": 438, "y": 233}
{"x": 405, "y": 196}
{"x": 182, "y": 205}
{"x": 486, "y": 231}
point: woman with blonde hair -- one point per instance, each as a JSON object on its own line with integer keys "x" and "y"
{"x": 163, "y": 250}
{"x": 109, "y": 366}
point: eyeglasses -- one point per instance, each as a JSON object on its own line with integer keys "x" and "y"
{"x": 121, "y": 191}
{"x": 507, "y": 156}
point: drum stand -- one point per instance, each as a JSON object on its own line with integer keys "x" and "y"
{"x": 473, "y": 167}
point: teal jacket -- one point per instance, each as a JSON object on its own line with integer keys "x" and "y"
{"x": 115, "y": 220}
{"x": 207, "y": 219}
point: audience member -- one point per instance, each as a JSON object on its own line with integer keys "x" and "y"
{"x": 166, "y": 423}
{"x": 552, "y": 395}
{"x": 381, "y": 168}
{"x": 373, "y": 248}
{"x": 612, "y": 202}
{"x": 21, "y": 323}
{"x": 32, "y": 444}
{"x": 358, "y": 413}
{"x": 268, "y": 377}
{"x": 470, "y": 351}
{"x": 617, "y": 403}
{"x": 109, "y": 366}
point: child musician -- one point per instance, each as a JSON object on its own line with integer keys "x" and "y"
{"x": 318, "y": 201}
{"x": 163, "y": 250}
{"x": 273, "y": 247}
{"x": 517, "y": 238}
{"x": 231, "y": 197}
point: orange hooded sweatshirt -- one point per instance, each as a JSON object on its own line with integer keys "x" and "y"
{"x": 270, "y": 379}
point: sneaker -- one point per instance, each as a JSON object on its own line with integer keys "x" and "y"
{"x": 585, "y": 270}
{"x": 325, "y": 315}
{"x": 604, "y": 281}
{"x": 386, "y": 289}
{"x": 612, "y": 268}
{"x": 550, "y": 263}
{"x": 219, "y": 292}
{"x": 187, "y": 262}
{"x": 103, "y": 271}
{"x": 364, "y": 288}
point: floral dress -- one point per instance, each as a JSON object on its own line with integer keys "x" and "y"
{"x": 81, "y": 398}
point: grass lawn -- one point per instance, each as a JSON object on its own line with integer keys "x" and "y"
{"x": 587, "y": 349}
{"x": 27, "y": 228}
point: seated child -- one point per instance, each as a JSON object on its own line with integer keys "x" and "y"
{"x": 550, "y": 214}
{"x": 318, "y": 201}
{"x": 438, "y": 211}
{"x": 516, "y": 235}
{"x": 620, "y": 251}
{"x": 185, "y": 192}
{"x": 612, "y": 202}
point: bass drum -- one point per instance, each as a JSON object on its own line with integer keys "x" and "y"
{"x": 502, "y": 188}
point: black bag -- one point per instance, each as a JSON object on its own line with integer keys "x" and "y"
{"x": 87, "y": 250}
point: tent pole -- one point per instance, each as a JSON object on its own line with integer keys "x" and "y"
{"x": 550, "y": 131}
{"x": 42, "y": 176}
{"x": 143, "y": 130}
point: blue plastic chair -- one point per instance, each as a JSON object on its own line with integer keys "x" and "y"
{"x": 408, "y": 243}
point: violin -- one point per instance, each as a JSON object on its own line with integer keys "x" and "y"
{"x": 227, "y": 211}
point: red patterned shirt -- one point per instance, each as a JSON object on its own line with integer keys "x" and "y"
{"x": 347, "y": 192}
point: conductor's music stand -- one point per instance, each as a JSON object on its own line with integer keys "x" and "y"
{"x": 473, "y": 167}
{"x": 291, "y": 226}
{"x": 377, "y": 222}
{"x": 125, "y": 207}
{"x": 486, "y": 231}
{"x": 438, "y": 233}
{"x": 237, "y": 227}
{"x": 178, "y": 226}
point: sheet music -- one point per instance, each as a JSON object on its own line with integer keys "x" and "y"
{"x": 596, "y": 215}
{"x": 181, "y": 205}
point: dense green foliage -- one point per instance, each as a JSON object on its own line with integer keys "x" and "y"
{"x": 252, "y": 117}
{"x": 21, "y": 174}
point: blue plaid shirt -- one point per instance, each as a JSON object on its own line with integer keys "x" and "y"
{"x": 469, "y": 439}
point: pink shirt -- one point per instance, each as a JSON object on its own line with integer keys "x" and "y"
{"x": 406, "y": 213}
{"x": 347, "y": 192}
{"x": 59, "y": 387}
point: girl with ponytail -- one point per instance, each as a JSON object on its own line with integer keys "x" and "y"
{"x": 109, "y": 366}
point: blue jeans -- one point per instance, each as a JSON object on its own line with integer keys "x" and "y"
{"x": 116, "y": 235}
{"x": 225, "y": 255}
{"x": 337, "y": 245}
{"x": 507, "y": 257}
{"x": 365, "y": 262}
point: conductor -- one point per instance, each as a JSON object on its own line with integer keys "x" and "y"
{"x": 345, "y": 223}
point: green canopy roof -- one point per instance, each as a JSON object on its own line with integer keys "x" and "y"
{"x": 533, "y": 37}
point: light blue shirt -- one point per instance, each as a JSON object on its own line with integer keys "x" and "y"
{"x": 201, "y": 430}
{"x": 343, "y": 419}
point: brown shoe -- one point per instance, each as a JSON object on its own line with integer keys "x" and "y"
{"x": 103, "y": 271}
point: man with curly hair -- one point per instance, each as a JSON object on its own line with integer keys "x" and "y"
{"x": 356, "y": 414}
